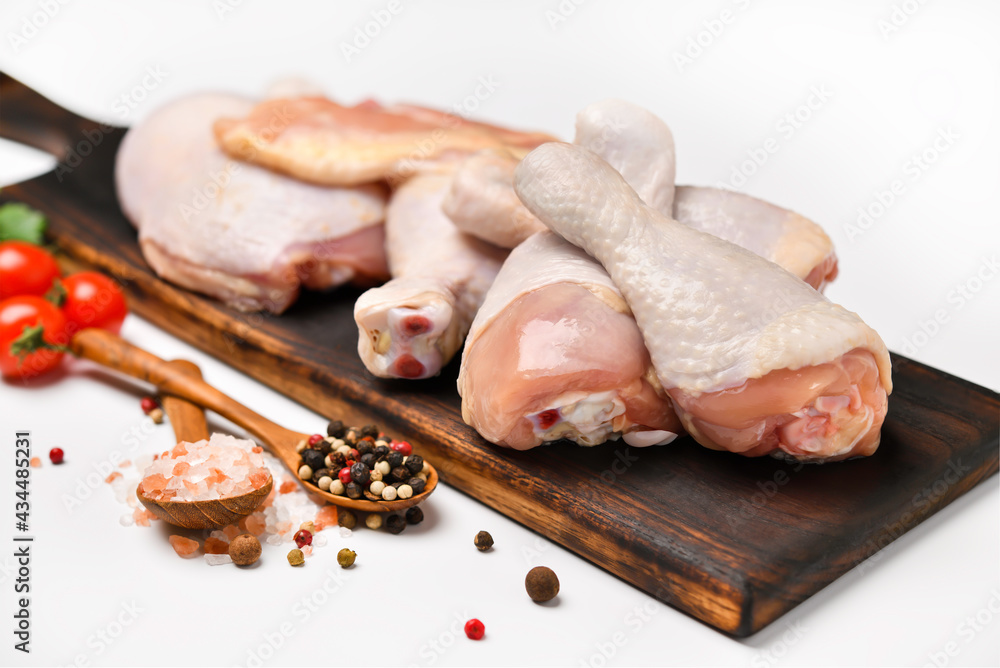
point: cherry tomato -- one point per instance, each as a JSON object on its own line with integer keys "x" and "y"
{"x": 34, "y": 326}
{"x": 93, "y": 300}
{"x": 25, "y": 269}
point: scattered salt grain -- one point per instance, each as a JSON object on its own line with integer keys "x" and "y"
{"x": 345, "y": 532}
{"x": 218, "y": 559}
{"x": 184, "y": 547}
{"x": 126, "y": 520}
{"x": 319, "y": 540}
{"x": 275, "y": 539}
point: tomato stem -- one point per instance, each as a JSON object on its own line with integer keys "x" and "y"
{"x": 32, "y": 340}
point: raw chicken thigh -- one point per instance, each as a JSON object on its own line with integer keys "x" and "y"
{"x": 754, "y": 360}
{"x": 234, "y": 231}
{"x": 414, "y": 324}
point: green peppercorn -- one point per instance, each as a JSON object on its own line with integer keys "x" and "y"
{"x": 414, "y": 515}
{"x": 346, "y": 518}
{"x": 346, "y": 558}
{"x": 541, "y": 584}
{"x": 335, "y": 429}
{"x": 395, "y": 524}
{"x": 484, "y": 541}
{"x": 296, "y": 558}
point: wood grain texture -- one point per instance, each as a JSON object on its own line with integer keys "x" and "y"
{"x": 731, "y": 541}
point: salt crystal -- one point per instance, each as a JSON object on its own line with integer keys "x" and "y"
{"x": 319, "y": 540}
{"x": 345, "y": 532}
{"x": 218, "y": 559}
{"x": 126, "y": 520}
{"x": 218, "y": 533}
{"x": 216, "y": 546}
{"x": 275, "y": 539}
{"x": 307, "y": 550}
{"x": 184, "y": 547}
{"x": 204, "y": 470}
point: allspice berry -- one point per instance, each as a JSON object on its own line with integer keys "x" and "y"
{"x": 346, "y": 558}
{"x": 244, "y": 550}
{"x": 541, "y": 584}
{"x": 484, "y": 541}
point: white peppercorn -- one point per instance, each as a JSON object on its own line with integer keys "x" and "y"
{"x": 377, "y": 487}
{"x": 336, "y": 487}
{"x": 389, "y": 493}
{"x": 404, "y": 491}
{"x": 383, "y": 467}
{"x": 324, "y": 483}
{"x": 305, "y": 472}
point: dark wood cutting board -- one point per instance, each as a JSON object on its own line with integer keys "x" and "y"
{"x": 733, "y": 542}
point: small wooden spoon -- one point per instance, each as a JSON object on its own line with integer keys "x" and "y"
{"x": 111, "y": 351}
{"x": 188, "y": 421}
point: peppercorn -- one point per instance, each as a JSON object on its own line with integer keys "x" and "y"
{"x": 383, "y": 468}
{"x": 244, "y": 550}
{"x": 147, "y": 404}
{"x": 399, "y": 474}
{"x": 352, "y": 490}
{"x": 404, "y": 491}
{"x": 336, "y": 460}
{"x": 305, "y": 472}
{"x": 324, "y": 483}
{"x": 375, "y": 475}
{"x": 395, "y": 458}
{"x": 156, "y": 415}
{"x": 351, "y": 436}
{"x": 417, "y": 485}
{"x": 475, "y": 629}
{"x": 315, "y": 438}
{"x": 368, "y": 459}
{"x": 395, "y": 524}
{"x": 541, "y": 584}
{"x": 374, "y": 521}
{"x": 346, "y": 558}
{"x": 360, "y": 473}
{"x": 308, "y": 525}
{"x": 381, "y": 449}
{"x": 301, "y": 445}
{"x": 324, "y": 447}
{"x": 302, "y": 538}
{"x": 369, "y": 430}
{"x": 376, "y": 487}
{"x": 345, "y": 475}
{"x": 402, "y": 447}
{"x": 365, "y": 446}
{"x": 415, "y": 515}
{"x": 313, "y": 458}
{"x": 484, "y": 541}
{"x": 56, "y": 455}
{"x": 335, "y": 429}
{"x": 389, "y": 493}
{"x": 321, "y": 473}
{"x": 346, "y": 519}
{"x": 336, "y": 487}
{"x": 296, "y": 558}
{"x": 415, "y": 463}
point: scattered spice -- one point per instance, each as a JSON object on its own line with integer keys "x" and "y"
{"x": 36, "y": 462}
{"x": 308, "y": 525}
{"x": 346, "y": 558}
{"x": 484, "y": 541}
{"x": 346, "y": 519}
{"x": 156, "y": 415}
{"x": 395, "y": 523}
{"x": 374, "y": 521}
{"x": 414, "y": 515}
{"x": 148, "y": 404}
{"x": 475, "y": 629}
{"x": 245, "y": 550}
{"x": 541, "y": 584}
{"x": 296, "y": 558}
{"x": 303, "y": 538}
{"x": 56, "y": 455}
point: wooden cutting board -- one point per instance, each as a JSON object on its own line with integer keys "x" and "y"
{"x": 733, "y": 542}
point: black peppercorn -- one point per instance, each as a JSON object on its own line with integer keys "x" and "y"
{"x": 346, "y": 519}
{"x": 417, "y": 484}
{"x": 351, "y": 436}
{"x": 337, "y": 460}
{"x": 484, "y": 541}
{"x": 400, "y": 473}
{"x": 323, "y": 446}
{"x": 312, "y": 458}
{"x": 368, "y": 459}
{"x": 381, "y": 451}
{"x": 360, "y": 473}
{"x": 415, "y": 463}
{"x": 414, "y": 515}
{"x": 395, "y": 523}
{"x": 369, "y": 430}
{"x": 319, "y": 473}
{"x": 365, "y": 446}
{"x": 353, "y": 490}
{"x": 395, "y": 458}
{"x": 335, "y": 429}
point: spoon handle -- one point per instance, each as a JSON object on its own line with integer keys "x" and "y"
{"x": 110, "y": 350}
{"x": 187, "y": 419}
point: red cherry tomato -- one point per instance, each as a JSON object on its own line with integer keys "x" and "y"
{"x": 25, "y": 269}
{"x": 93, "y": 300}
{"x": 34, "y": 325}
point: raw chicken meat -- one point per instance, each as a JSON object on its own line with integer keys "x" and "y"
{"x": 754, "y": 360}
{"x": 234, "y": 231}
{"x": 414, "y": 324}
{"x": 318, "y": 140}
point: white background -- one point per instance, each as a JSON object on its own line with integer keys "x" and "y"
{"x": 890, "y": 77}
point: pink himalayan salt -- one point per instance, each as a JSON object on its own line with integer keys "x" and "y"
{"x": 114, "y": 476}
{"x": 36, "y": 462}
{"x": 143, "y": 516}
{"x": 287, "y": 486}
{"x": 231, "y": 531}
{"x": 326, "y": 517}
{"x": 216, "y": 546}
{"x": 222, "y": 466}
{"x": 184, "y": 547}
{"x": 256, "y": 524}
{"x": 125, "y": 463}
{"x": 307, "y": 550}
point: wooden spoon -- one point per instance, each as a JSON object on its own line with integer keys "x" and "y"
{"x": 111, "y": 351}
{"x": 188, "y": 421}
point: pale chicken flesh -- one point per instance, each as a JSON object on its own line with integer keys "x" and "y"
{"x": 414, "y": 324}
{"x": 754, "y": 360}
{"x": 245, "y": 235}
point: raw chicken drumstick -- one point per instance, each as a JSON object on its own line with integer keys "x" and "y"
{"x": 414, "y": 324}
{"x": 242, "y": 234}
{"x": 754, "y": 360}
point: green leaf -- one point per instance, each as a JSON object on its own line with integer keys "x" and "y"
{"x": 19, "y": 222}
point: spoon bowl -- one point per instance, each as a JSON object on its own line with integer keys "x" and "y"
{"x": 188, "y": 421}
{"x": 111, "y": 351}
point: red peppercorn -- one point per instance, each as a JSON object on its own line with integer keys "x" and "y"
{"x": 56, "y": 455}
{"x": 314, "y": 439}
{"x": 354, "y": 454}
{"x": 475, "y": 629}
{"x": 148, "y": 404}
{"x": 302, "y": 538}
{"x": 345, "y": 475}
{"x": 402, "y": 447}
